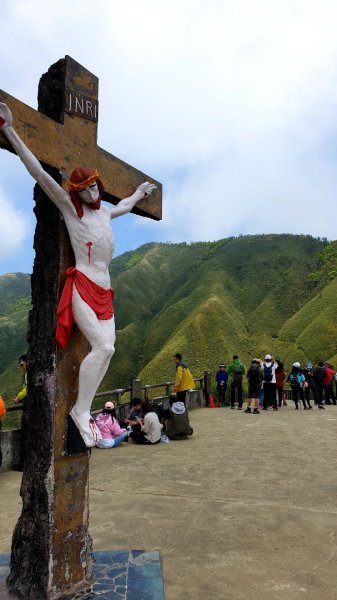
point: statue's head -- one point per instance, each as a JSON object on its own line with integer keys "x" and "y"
{"x": 85, "y": 186}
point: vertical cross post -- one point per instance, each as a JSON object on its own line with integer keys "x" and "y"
{"x": 51, "y": 547}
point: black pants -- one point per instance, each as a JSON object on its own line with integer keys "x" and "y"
{"x": 307, "y": 394}
{"x": 269, "y": 398}
{"x": 236, "y": 385}
{"x": 181, "y": 396}
{"x": 139, "y": 438}
{"x": 320, "y": 389}
{"x": 221, "y": 389}
{"x": 298, "y": 393}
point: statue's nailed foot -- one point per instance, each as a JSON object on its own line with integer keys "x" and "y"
{"x": 83, "y": 433}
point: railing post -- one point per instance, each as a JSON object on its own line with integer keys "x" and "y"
{"x": 168, "y": 388}
{"x": 136, "y": 388}
{"x": 146, "y": 389}
{"x": 207, "y": 386}
{"x": 119, "y": 395}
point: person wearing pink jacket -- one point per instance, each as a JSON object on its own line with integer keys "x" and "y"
{"x": 111, "y": 432}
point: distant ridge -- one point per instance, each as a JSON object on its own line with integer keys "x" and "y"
{"x": 247, "y": 295}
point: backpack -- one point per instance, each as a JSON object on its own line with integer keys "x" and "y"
{"x": 293, "y": 380}
{"x": 254, "y": 376}
{"x": 237, "y": 373}
{"x": 320, "y": 375}
{"x": 267, "y": 373}
{"x": 2, "y": 407}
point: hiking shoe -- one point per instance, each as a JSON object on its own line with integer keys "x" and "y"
{"x": 232, "y": 407}
{"x": 321, "y": 407}
{"x": 256, "y": 411}
{"x": 239, "y": 407}
{"x": 248, "y": 410}
{"x": 284, "y": 403}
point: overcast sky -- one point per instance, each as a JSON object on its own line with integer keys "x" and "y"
{"x": 231, "y": 104}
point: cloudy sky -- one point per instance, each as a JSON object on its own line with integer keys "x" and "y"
{"x": 231, "y": 104}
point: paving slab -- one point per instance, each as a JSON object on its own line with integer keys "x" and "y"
{"x": 245, "y": 508}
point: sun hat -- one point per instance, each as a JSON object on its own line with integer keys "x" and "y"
{"x": 297, "y": 364}
{"x": 178, "y": 408}
{"x": 109, "y": 405}
{"x": 267, "y": 357}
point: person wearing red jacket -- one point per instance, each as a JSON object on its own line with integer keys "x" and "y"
{"x": 330, "y": 372}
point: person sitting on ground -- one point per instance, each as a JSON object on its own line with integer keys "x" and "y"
{"x": 150, "y": 427}
{"x": 221, "y": 377}
{"x": 135, "y": 413}
{"x": 296, "y": 380}
{"x": 255, "y": 377}
{"x": 177, "y": 424}
{"x": 111, "y": 432}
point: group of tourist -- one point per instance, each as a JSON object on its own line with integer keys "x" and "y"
{"x": 266, "y": 381}
{"x": 145, "y": 424}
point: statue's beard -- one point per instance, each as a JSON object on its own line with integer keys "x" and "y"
{"x": 95, "y": 205}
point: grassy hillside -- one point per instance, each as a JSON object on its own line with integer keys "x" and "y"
{"x": 247, "y": 295}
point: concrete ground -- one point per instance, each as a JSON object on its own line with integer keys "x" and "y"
{"x": 245, "y": 509}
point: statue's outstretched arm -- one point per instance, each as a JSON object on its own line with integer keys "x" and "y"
{"x": 53, "y": 190}
{"x": 126, "y": 205}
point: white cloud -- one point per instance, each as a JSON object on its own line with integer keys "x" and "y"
{"x": 231, "y": 104}
{"x": 14, "y": 228}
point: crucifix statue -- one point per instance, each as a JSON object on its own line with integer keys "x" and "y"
{"x": 51, "y": 547}
{"x": 87, "y": 295}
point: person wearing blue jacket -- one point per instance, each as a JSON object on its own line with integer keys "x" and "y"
{"x": 221, "y": 377}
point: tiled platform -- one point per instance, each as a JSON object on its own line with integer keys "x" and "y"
{"x": 118, "y": 575}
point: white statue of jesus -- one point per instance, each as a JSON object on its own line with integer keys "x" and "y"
{"x": 87, "y": 297}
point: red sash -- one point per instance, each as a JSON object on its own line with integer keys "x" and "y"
{"x": 98, "y": 298}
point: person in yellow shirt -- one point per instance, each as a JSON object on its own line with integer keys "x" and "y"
{"x": 22, "y": 398}
{"x": 23, "y": 394}
{"x": 184, "y": 379}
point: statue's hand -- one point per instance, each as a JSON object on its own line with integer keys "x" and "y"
{"x": 146, "y": 189}
{"x": 6, "y": 118}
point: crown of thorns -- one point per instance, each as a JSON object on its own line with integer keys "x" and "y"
{"x": 79, "y": 185}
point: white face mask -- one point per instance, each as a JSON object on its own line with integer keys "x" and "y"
{"x": 90, "y": 193}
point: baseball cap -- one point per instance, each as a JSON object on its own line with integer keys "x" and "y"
{"x": 297, "y": 364}
{"x": 267, "y": 357}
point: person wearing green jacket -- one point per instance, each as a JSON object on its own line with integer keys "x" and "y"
{"x": 236, "y": 371}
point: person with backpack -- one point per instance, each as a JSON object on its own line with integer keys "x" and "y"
{"x": 236, "y": 371}
{"x": 297, "y": 383}
{"x": 269, "y": 367}
{"x": 254, "y": 376}
{"x": 319, "y": 376}
{"x": 310, "y": 388}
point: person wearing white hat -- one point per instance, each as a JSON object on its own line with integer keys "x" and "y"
{"x": 177, "y": 423}
{"x": 110, "y": 430}
{"x": 297, "y": 380}
{"x": 269, "y": 367}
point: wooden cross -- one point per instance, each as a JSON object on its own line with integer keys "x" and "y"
{"x": 51, "y": 547}
{"x": 72, "y": 142}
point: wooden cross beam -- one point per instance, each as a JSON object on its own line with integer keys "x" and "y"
{"x": 70, "y": 141}
{"x": 51, "y": 547}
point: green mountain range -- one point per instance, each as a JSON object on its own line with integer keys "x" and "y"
{"x": 209, "y": 300}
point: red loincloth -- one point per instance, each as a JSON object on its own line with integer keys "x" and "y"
{"x": 98, "y": 298}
